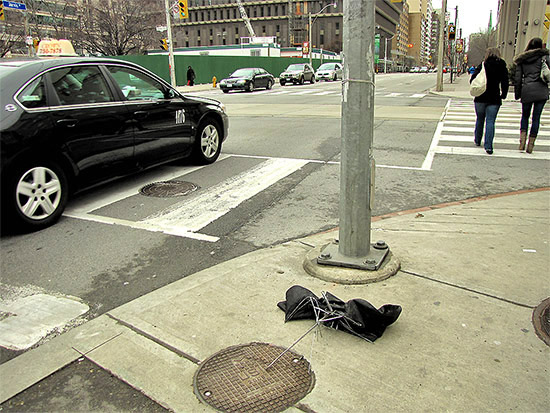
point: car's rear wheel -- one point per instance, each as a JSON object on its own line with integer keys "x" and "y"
{"x": 250, "y": 87}
{"x": 225, "y": 91}
{"x": 208, "y": 143}
{"x": 269, "y": 84}
{"x": 37, "y": 195}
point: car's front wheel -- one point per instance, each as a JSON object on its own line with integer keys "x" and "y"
{"x": 37, "y": 195}
{"x": 250, "y": 87}
{"x": 301, "y": 81}
{"x": 208, "y": 143}
{"x": 282, "y": 82}
{"x": 312, "y": 81}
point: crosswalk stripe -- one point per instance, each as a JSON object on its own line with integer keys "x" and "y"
{"x": 507, "y": 141}
{"x": 498, "y": 130}
{"x": 500, "y": 124}
{"x": 502, "y": 153}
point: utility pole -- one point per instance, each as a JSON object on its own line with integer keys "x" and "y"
{"x": 171, "y": 65}
{"x": 357, "y": 163}
{"x": 441, "y": 46}
{"x": 453, "y": 46}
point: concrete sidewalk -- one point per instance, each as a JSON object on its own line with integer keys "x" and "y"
{"x": 471, "y": 274}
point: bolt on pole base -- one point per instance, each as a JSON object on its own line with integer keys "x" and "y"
{"x": 331, "y": 255}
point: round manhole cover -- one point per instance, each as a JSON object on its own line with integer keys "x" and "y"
{"x": 541, "y": 321}
{"x": 168, "y": 189}
{"x": 237, "y": 379}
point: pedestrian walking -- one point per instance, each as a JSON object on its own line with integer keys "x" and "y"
{"x": 488, "y": 104}
{"x": 190, "y": 76}
{"x": 531, "y": 89}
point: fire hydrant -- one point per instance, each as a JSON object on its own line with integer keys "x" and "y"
{"x": 214, "y": 81}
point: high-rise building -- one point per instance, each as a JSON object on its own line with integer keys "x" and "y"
{"x": 420, "y": 30}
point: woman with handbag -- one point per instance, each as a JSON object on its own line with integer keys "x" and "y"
{"x": 488, "y": 103}
{"x": 531, "y": 89}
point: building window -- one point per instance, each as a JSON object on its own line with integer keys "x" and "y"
{"x": 187, "y": 43}
{"x": 261, "y": 12}
{"x": 208, "y": 15}
{"x": 234, "y": 13}
{"x": 269, "y": 11}
{"x": 263, "y": 30}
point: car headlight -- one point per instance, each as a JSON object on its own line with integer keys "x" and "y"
{"x": 240, "y": 82}
{"x": 222, "y": 107}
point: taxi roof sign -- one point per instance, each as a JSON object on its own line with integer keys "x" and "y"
{"x": 55, "y": 48}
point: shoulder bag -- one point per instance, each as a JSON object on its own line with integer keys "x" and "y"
{"x": 479, "y": 84}
{"x": 544, "y": 71}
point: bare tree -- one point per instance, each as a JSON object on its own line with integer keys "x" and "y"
{"x": 52, "y": 18}
{"x": 118, "y": 27}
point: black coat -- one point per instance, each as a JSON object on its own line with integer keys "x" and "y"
{"x": 497, "y": 81}
{"x": 528, "y": 84}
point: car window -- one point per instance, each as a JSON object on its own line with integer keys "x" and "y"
{"x": 33, "y": 96}
{"x": 242, "y": 73}
{"x": 296, "y": 67}
{"x": 136, "y": 85}
{"x": 79, "y": 85}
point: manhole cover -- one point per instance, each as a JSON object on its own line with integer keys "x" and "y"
{"x": 168, "y": 189}
{"x": 237, "y": 379}
{"x": 541, "y": 321}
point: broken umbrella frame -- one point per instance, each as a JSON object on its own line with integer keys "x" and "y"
{"x": 338, "y": 318}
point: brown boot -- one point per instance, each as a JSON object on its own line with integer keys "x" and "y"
{"x": 522, "y": 139}
{"x": 531, "y": 144}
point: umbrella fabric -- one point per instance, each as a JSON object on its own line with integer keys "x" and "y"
{"x": 357, "y": 316}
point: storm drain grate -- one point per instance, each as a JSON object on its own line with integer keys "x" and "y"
{"x": 168, "y": 189}
{"x": 541, "y": 321}
{"x": 237, "y": 379}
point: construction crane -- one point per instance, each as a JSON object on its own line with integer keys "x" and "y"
{"x": 246, "y": 19}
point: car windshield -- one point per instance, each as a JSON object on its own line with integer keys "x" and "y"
{"x": 295, "y": 67}
{"x": 327, "y": 66}
{"x": 242, "y": 73}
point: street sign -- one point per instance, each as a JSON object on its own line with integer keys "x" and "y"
{"x": 14, "y": 5}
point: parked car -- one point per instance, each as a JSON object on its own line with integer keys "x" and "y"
{"x": 298, "y": 74}
{"x": 329, "y": 71}
{"x": 71, "y": 123}
{"x": 424, "y": 69}
{"x": 415, "y": 69}
{"x": 247, "y": 79}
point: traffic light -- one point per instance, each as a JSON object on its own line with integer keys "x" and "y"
{"x": 2, "y": 10}
{"x": 410, "y": 45}
{"x": 182, "y": 9}
{"x": 164, "y": 44}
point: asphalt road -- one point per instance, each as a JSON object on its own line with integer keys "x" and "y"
{"x": 278, "y": 179}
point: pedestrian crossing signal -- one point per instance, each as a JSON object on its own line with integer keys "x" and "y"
{"x": 164, "y": 44}
{"x": 2, "y": 11}
{"x": 182, "y": 9}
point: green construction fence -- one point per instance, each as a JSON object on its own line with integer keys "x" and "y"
{"x": 206, "y": 67}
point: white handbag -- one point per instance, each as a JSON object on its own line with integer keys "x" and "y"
{"x": 479, "y": 84}
{"x": 544, "y": 71}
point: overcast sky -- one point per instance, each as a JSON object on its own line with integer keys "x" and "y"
{"x": 473, "y": 15}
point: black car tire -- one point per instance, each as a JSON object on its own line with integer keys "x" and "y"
{"x": 250, "y": 87}
{"x": 335, "y": 77}
{"x": 282, "y": 82}
{"x": 301, "y": 80}
{"x": 37, "y": 194}
{"x": 208, "y": 142}
{"x": 225, "y": 91}
{"x": 269, "y": 85}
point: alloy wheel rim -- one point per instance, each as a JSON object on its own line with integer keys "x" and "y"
{"x": 38, "y": 193}
{"x": 209, "y": 141}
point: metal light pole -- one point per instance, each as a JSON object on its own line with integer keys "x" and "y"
{"x": 171, "y": 65}
{"x": 357, "y": 163}
{"x": 310, "y": 24}
{"x": 441, "y": 46}
{"x": 386, "y": 52}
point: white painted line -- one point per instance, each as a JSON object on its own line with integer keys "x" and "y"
{"x": 507, "y": 141}
{"x": 392, "y": 95}
{"x": 206, "y": 207}
{"x": 499, "y": 153}
{"x": 327, "y": 93}
{"x": 280, "y": 92}
{"x": 418, "y": 95}
{"x": 427, "y": 164}
{"x": 514, "y": 126}
{"x": 498, "y": 130}
{"x": 306, "y": 92}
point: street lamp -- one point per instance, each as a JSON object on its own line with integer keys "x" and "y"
{"x": 386, "y": 52}
{"x": 311, "y": 24}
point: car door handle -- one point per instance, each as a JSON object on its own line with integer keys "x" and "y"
{"x": 69, "y": 123}
{"x": 141, "y": 114}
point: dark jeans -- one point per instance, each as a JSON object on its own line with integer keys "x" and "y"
{"x": 486, "y": 114}
{"x": 526, "y": 113}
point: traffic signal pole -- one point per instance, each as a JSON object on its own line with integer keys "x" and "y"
{"x": 441, "y": 47}
{"x": 171, "y": 65}
{"x": 353, "y": 249}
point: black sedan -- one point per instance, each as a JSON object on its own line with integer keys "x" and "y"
{"x": 71, "y": 123}
{"x": 247, "y": 79}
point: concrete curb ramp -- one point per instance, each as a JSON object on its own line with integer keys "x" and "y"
{"x": 471, "y": 275}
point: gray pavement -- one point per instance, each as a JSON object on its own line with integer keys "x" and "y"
{"x": 471, "y": 274}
